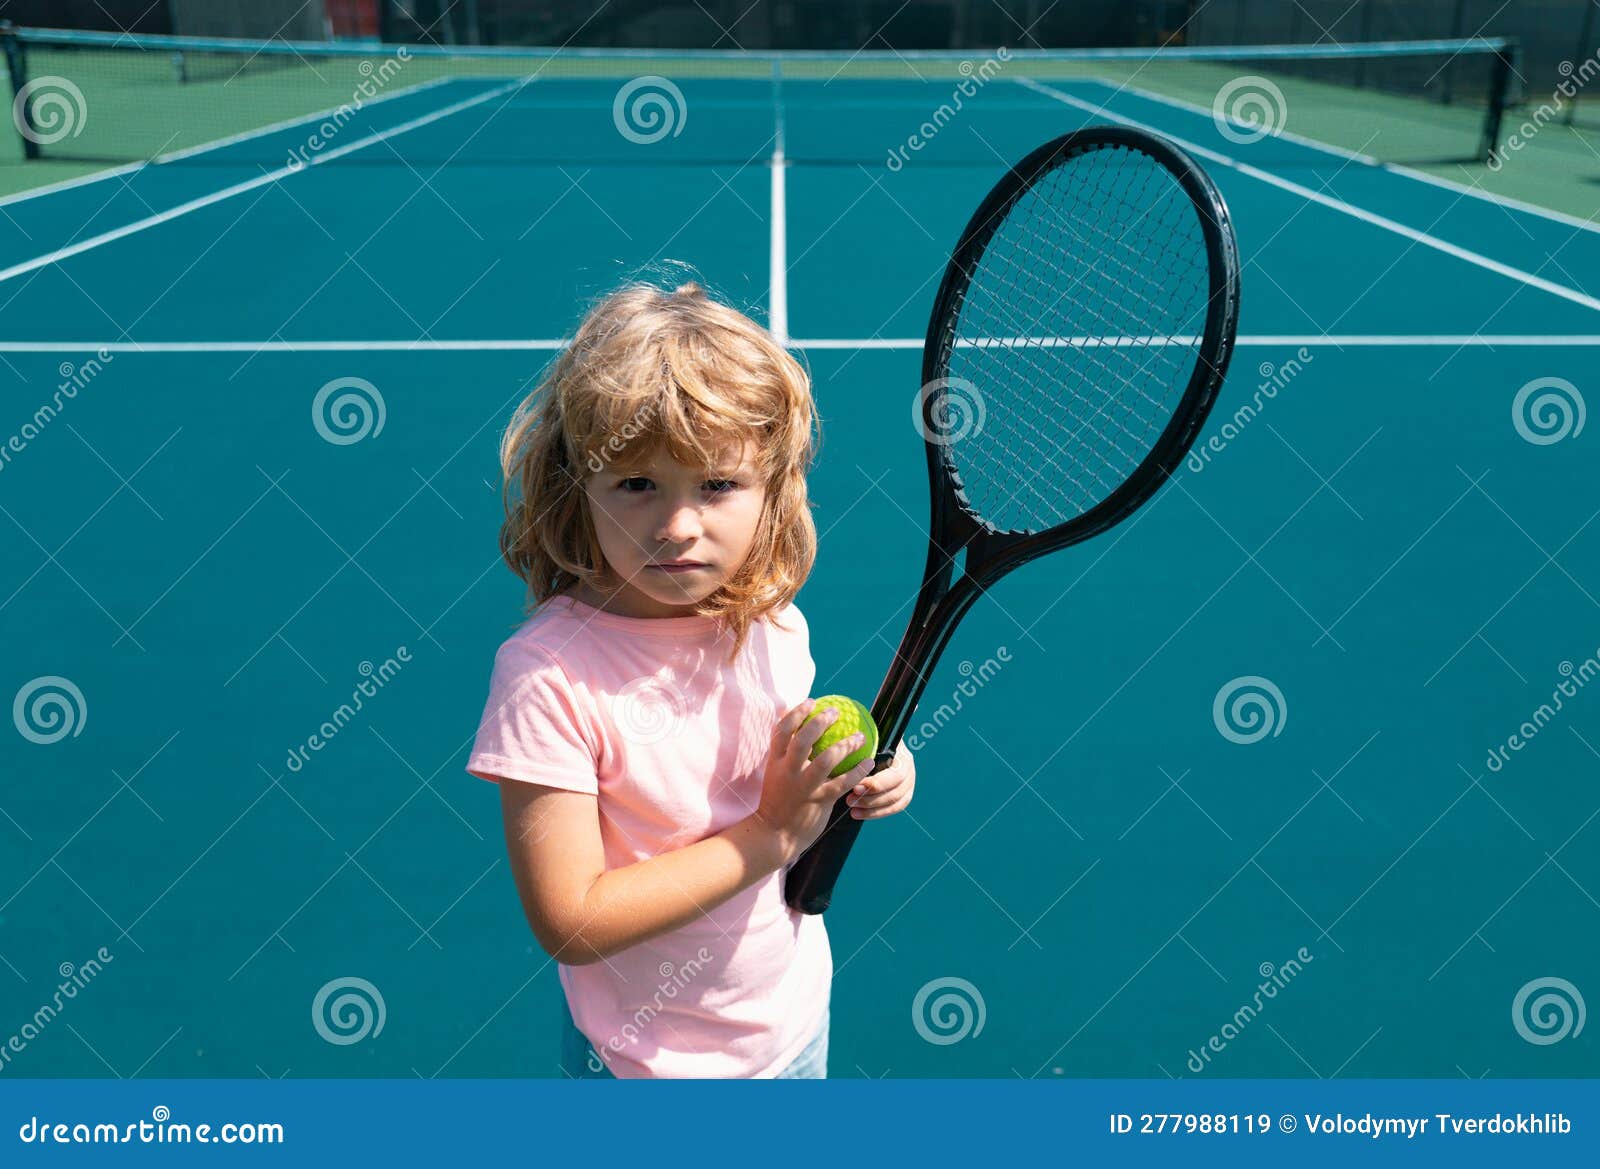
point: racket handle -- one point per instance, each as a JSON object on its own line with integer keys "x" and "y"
{"x": 808, "y": 886}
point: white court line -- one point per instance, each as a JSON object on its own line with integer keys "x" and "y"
{"x": 68, "y": 184}
{"x": 778, "y": 256}
{"x": 1247, "y": 340}
{"x": 1393, "y": 167}
{"x": 171, "y": 213}
{"x": 1252, "y": 340}
{"x": 1259, "y": 340}
{"x": 289, "y": 123}
{"x": 1350, "y": 209}
{"x": 97, "y": 176}
{"x": 778, "y": 259}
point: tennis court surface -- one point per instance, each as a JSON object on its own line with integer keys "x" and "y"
{"x": 1258, "y": 736}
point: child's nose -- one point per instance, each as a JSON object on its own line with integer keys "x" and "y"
{"x": 682, "y": 524}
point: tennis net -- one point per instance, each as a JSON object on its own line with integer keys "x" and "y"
{"x": 111, "y": 98}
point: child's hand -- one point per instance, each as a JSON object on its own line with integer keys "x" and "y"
{"x": 887, "y": 792}
{"x": 796, "y": 793}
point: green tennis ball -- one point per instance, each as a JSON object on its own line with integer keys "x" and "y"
{"x": 853, "y": 718}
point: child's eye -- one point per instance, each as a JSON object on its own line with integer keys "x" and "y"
{"x": 635, "y": 484}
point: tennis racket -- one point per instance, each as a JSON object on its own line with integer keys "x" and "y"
{"x": 1077, "y": 343}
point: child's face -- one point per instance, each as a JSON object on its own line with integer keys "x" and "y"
{"x": 653, "y": 511}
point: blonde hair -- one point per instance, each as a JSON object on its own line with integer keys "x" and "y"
{"x": 649, "y": 369}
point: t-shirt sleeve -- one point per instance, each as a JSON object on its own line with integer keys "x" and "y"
{"x": 534, "y": 729}
{"x": 804, "y": 667}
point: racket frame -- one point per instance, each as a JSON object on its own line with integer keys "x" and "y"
{"x": 955, "y": 528}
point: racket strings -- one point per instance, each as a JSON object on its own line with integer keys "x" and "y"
{"x": 1114, "y": 251}
{"x": 1109, "y": 393}
{"x": 1083, "y": 413}
{"x": 1100, "y": 316}
{"x": 1000, "y": 306}
{"x": 1078, "y": 334}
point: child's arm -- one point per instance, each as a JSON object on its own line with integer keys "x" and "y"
{"x": 581, "y": 912}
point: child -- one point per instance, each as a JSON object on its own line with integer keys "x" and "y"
{"x": 644, "y": 725}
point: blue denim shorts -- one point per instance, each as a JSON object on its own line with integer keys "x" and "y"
{"x": 580, "y": 1061}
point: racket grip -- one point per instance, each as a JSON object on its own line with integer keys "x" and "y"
{"x": 808, "y": 887}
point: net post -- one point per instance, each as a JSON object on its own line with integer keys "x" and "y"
{"x": 1449, "y": 88}
{"x": 1364, "y": 35}
{"x": 1499, "y": 87}
{"x": 17, "y": 67}
{"x": 1585, "y": 36}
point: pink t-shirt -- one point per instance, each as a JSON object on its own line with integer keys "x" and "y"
{"x": 649, "y": 716}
